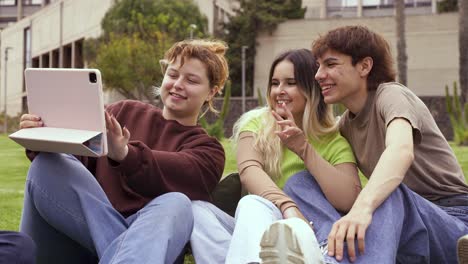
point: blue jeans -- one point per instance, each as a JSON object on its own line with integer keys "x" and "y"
{"x": 211, "y": 236}
{"x": 406, "y": 228}
{"x": 16, "y": 248}
{"x": 68, "y": 215}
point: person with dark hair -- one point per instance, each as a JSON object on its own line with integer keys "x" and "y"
{"x": 292, "y": 143}
{"x": 415, "y": 204}
{"x": 16, "y": 248}
{"x": 133, "y": 205}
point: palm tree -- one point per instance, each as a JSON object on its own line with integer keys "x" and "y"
{"x": 462, "y": 43}
{"x": 402, "y": 58}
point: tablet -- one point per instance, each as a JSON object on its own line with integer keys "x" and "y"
{"x": 70, "y": 103}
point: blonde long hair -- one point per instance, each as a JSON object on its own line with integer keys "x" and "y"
{"x": 318, "y": 119}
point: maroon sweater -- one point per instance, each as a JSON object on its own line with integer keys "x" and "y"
{"x": 163, "y": 156}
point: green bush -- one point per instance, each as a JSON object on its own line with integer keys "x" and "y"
{"x": 458, "y": 115}
{"x": 447, "y": 6}
{"x": 216, "y": 129}
{"x": 13, "y": 123}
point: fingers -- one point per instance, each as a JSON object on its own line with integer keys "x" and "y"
{"x": 331, "y": 240}
{"x": 29, "y": 117}
{"x": 341, "y": 232}
{"x": 30, "y": 121}
{"x": 339, "y": 241}
{"x": 361, "y": 235}
{"x": 350, "y": 236}
{"x": 108, "y": 121}
{"x": 276, "y": 116}
{"x": 117, "y": 128}
{"x": 126, "y": 133}
{"x": 112, "y": 125}
{"x": 336, "y": 240}
{"x": 289, "y": 115}
{"x": 286, "y": 123}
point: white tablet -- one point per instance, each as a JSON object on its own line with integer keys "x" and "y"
{"x": 70, "y": 103}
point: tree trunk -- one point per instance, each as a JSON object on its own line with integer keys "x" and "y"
{"x": 462, "y": 46}
{"x": 402, "y": 58}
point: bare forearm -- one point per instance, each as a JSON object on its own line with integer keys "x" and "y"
{"x": 339, "y": 183}
{"x": 387, "y": 176}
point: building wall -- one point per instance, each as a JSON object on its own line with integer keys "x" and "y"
{"x": 216, "y": 11}
{"x": 432, "y": 46}
{"x": 59, "y": 28}
{"x": 59, "y": 23}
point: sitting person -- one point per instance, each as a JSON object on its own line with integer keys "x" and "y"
{"x": 133, "y": 205}
{"x": 415, "y": 206}
{"x": 16, "y": 248}
{"x": 294, "y": 137}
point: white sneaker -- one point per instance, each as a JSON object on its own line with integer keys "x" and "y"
{"x": 462, "y": 250}
{"x": 290, "y": 241}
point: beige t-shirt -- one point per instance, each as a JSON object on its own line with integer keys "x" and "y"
{"x": 435, "y": 172}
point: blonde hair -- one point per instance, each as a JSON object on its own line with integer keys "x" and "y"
{"x": 210, "y": 53}
{"x": 318, "y": 118}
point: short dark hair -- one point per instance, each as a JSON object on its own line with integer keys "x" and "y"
{"x": 360, "y": 42}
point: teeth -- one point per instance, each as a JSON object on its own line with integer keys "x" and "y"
{"x": 177, "y": 95}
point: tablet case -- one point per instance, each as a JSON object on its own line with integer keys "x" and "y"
{"x": 70, "y": 103}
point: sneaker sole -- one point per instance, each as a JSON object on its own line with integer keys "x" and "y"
{"x": 462, "y": 249}
{"x": 275, "y": 250}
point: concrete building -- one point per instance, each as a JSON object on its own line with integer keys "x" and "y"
{"x": 431, "y": 40}
{"x": 14, "y": 10}
{"x": 53, "y": 37}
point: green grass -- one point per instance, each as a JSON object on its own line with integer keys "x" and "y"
{"x": 14, "y": 166}
{"x": 230, "y": 165}
{"x": 13, "y": 169}
{"x": 462, "y": 156}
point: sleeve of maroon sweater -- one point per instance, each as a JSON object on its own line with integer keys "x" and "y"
{"x": 194, "y": 171}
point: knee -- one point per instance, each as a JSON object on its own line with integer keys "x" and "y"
{"x": 200, "y": 208}
{"x": 18, "y": 248}
{"x": 252, "y": 204}
{"x": 179, "y": 204}
{"x": 48, "y": 163}
{"x": 45, "y": 159}
{"x": 251, "y": 200}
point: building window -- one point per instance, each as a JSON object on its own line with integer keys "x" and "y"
{"x": 24, "y": 104}
{"x": 32, "y": 2}
{"x": 67, "y": 56}
{"x": 35, "y": 62}
{"x": 45, "y": 60}
{"x": 7, "y": 2}
{"x": 55, "y": 58}
{"x": 78, "y": 59}
{"x": 378, "y": 3}
{"x": 27, "y": 63}
{"x": 27, "y": 48}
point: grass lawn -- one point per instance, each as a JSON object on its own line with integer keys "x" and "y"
{"x": 14, "y": 166}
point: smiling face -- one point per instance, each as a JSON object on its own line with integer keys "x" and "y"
{"x": 184, "y": 90}
{"x": 284, "y": 89}
{"x": 341, "y": 81}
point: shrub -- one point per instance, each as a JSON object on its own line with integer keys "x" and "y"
{"x": 458, "y": 114}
